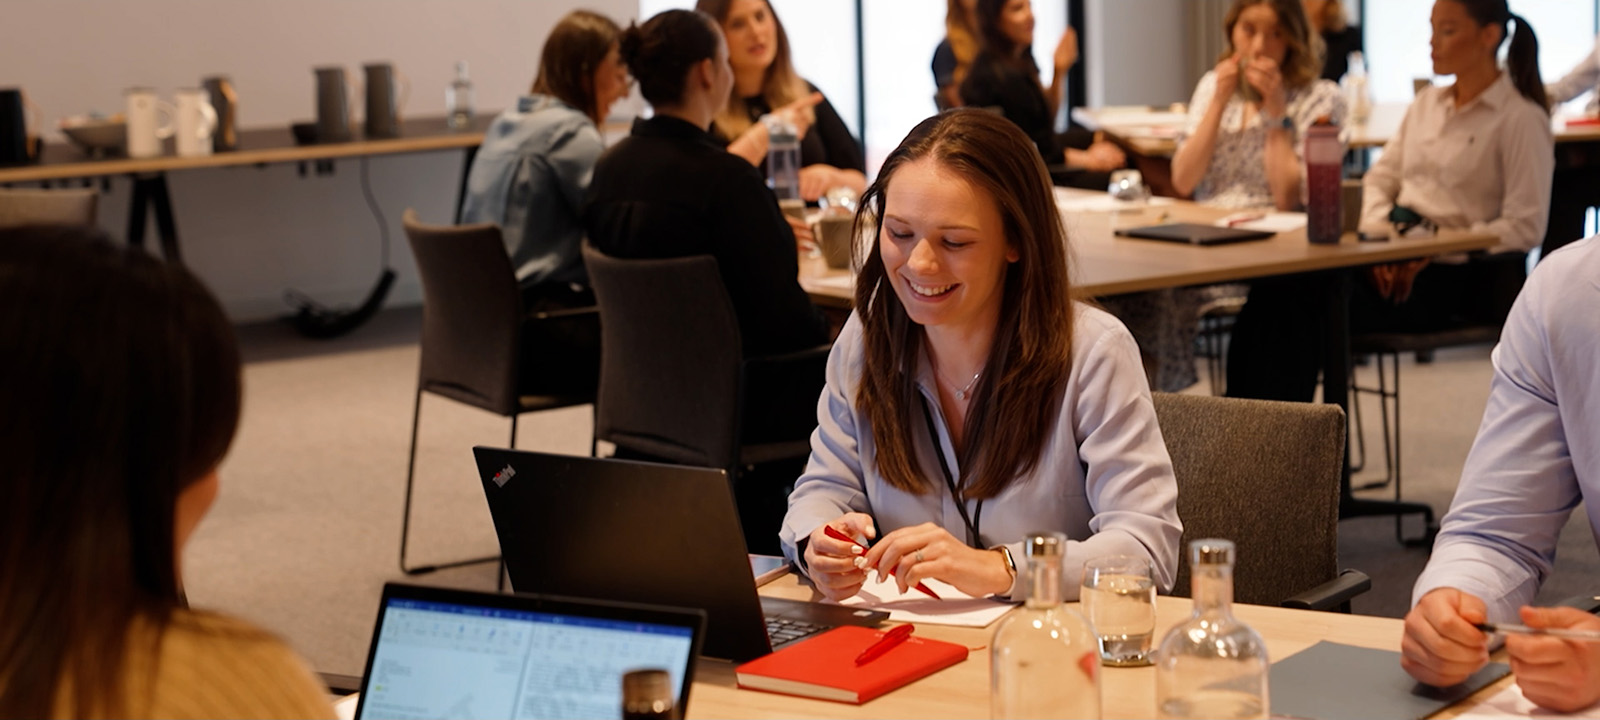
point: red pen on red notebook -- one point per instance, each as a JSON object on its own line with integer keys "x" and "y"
{"x": 890, "y": 639}
{"x": 837, "y": 534}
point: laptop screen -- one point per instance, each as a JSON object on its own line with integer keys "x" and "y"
{"x": 457, "y": 658}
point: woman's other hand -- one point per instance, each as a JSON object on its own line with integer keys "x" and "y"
{"x": 928, "y": 551}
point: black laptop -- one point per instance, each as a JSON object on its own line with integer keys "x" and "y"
{"x": 644, "y": 532}
{"x": 438, "y": 652}
{"x": 1193, "y": 234}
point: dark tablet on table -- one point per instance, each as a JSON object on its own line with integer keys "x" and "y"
{"x": 1194, "y": 234}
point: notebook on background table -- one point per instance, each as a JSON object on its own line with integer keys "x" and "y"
{"x": 636, "y": 531}
{"x": 438, "y": 652}
{"x": 1194, "y": 234}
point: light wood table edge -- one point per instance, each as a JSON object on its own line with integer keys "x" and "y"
{"x": 264, "y": 156}
{"x": 1316, "y": 259}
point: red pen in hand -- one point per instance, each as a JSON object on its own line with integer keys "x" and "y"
{"x": 886, "y": 643}
{"x": 837, "y": 534}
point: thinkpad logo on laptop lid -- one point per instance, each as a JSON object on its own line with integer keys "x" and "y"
{"x": 504, "y": 476}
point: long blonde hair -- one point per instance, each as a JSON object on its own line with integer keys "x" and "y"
{"x": 963, "y": 36}
{"x": 781, "y": 85}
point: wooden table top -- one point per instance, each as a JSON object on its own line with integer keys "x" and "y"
{"x": 1155, "y": 132}
{"x": 963, "y": 690}
{"x": 1103, "y": 264}
{"x": 260, "y": 146}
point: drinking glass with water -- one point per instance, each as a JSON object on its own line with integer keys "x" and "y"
{"x": 1119, "y": 598}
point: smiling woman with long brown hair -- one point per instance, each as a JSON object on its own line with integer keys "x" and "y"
{"x": 970, "y": 399}
{"x": 121, "y": 396}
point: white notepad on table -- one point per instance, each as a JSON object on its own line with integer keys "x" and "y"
{"x": 954, "y": 608}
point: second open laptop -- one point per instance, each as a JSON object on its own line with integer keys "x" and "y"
{"x": 642, "y": 532}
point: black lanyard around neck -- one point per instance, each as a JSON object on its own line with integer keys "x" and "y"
{"x": 971, "y": 521}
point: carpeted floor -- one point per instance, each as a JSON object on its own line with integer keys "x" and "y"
{"x": 306, "y": 529}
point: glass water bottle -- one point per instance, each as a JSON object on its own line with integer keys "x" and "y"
{"x": 1045, "y": 658}
{"x": 1211, "y": 666}
{"x": 458, "y": 99}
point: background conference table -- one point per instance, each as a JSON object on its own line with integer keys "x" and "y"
{"x": 1103, "y": 264}
{"x": 1154, "y": 132}
{"x": 962, "y": 691}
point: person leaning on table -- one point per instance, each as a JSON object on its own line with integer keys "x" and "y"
{"x": 1005, "y": 76}
{"x": 765, "y": 81}
{"x": 121, "y": 396}
{"x": 1533, "y": 461}
{"x": 967, "y": 351}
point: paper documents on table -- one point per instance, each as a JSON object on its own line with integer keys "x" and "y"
{"x": 956, "y": 607}
{"x": 1068, "y": 200}
{"x": 1510, "y": 703}
{"x": 1274, "y": 222}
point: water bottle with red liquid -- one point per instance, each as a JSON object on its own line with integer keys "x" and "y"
{"x": 1324, "y": 154}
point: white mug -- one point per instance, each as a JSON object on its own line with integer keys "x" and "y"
{"x": 145, "y": 128}
{"x": 197, "y": 121}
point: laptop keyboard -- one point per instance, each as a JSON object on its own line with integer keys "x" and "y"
{"x": 783, "y": 631}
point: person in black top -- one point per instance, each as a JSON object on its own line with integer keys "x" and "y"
{"x": 1338, "y": 35}
{"x": 1005, "y": 77}
{"x": 954, "y": 55}
{"x": 671, "y": 190}
{"x": 764, "y": 79}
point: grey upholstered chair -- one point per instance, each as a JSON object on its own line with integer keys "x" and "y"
{"x": 472, "y": 349}
{"x": 29, "y": 206}
{"x": 1266, "y": 476}
{"x": 672, "y": 374}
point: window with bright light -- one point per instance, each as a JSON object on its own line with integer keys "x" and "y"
{"x": 900, "y": 38}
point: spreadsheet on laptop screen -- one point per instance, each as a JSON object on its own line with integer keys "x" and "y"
{"x": 434, "y": 660}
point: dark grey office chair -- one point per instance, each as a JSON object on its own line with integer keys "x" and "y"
{"x": 29, "y": 206}
{"x": 472, "y": 340}
{"x": 1266, "y": 476}
{"x": 672, "y": 375}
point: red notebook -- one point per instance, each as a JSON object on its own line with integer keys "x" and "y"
{"x": 825, "y": 667}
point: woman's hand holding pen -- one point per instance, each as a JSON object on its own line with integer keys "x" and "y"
{"x": 1558, "y": 674}
{"x": 928, "y": 551}
{"x": 832, "y": 563}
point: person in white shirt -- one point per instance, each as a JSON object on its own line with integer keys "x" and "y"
{"x": 970, "y": 400}
{"x": 1476, "y": 155}
{"x": 1577, "y": 184}
{"x": 1530, "y": 467}
{"x": 1582, "y": 78}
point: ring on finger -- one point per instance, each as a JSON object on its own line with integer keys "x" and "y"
{"x": 918, "y": 556}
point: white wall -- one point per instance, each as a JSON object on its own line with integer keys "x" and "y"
{"x": 251, "y": 233}
{"x": 1137, "y": 52}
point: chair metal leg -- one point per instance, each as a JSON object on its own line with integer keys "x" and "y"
{"x": 405, "y": 521}
{"x": 1358, "y": 434}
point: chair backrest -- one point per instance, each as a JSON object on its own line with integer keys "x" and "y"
{"x": 471, "y": 313}
{"x": 669, "y": 360}
{"x": 28, "y": 206}
{"x": 1264, "y": 475}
